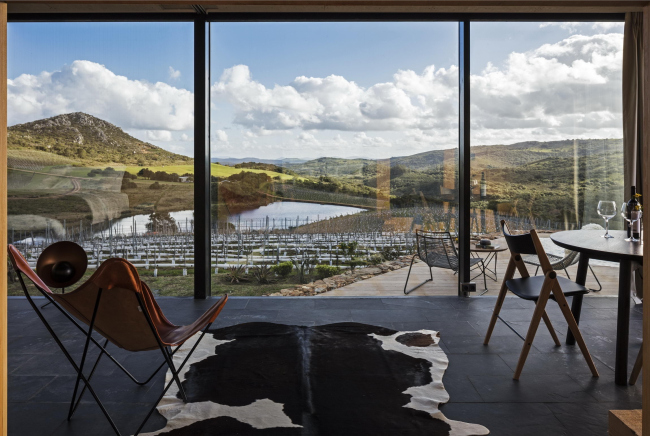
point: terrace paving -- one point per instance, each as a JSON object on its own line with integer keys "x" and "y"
{"x": 445, "y": 282}
{"x": 555, "y": 396}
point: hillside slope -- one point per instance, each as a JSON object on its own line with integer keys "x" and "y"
{"x": 88, "y": 140}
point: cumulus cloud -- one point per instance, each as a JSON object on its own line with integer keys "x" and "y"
{"x": 158, "y": 135}
{"x": 91, "y": 87}
{"x": 566, "y": 89}
{"x": 335, "y": 103}
{"x": 221, "y": 135}
{"x": 174, "y": 74}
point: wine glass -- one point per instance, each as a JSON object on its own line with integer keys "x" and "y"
{"x": 634, "y": 216}
{"x": 607, "y": 210}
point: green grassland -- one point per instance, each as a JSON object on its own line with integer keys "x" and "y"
{"x": 216, "y": 170}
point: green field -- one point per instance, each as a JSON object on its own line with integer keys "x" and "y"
{"x": 216, "y": 170}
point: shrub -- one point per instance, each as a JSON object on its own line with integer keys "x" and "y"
{"x": 155, "y": 185}
{"x": 375, "y": 259}
{"x": 283, "y": 269}
{"x": 389, "y": 253}
{"x": 127, "y": 184}
{"x": 303, "y": 267}
{"x": 262, "y": 274}
{"x": 236, "y": 273}
{"x": 355, "y": 263}
{"x": 324, "y": 271}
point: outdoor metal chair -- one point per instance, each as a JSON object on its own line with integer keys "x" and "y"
{"x": 538, "y": 289}
{"x": 437, "y": 249}
{"x": 116, "y": 304}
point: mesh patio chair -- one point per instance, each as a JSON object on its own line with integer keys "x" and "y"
{"x": 116, "y": 304}
{"x": 539, "y": 289}
{"x": 437, "y": 249}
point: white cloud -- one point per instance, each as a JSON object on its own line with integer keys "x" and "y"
{"x": 220, "y": 135}
{"x": 335, "y": 103}
{"x": 186, "y": 138}
{"x": 174, "y": 74}
{"x": 158, "y": 135}
{"x": 90, "y": 87}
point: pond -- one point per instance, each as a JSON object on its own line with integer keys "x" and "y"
{"x": 281, "y": 214}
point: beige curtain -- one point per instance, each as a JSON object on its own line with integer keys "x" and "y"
{"x": 633, "y": 102}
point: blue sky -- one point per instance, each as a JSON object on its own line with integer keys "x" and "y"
{"x": 313, "y": 89}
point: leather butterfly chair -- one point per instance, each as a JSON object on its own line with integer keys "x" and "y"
{"x": 121, "y": 308}
{"x": 538, "y": 289}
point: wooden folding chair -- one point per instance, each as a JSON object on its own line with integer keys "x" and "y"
{"x": 116, "y": 304}
{"x": 538, "y": 289}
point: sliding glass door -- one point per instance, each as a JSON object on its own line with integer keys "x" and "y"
{"x": 332, "y": 143}
{"x": 546, "y": 124}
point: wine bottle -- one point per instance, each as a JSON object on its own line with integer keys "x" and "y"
{"x": 633, "y": 208}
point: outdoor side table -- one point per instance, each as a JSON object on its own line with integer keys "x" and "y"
{"x": 492, "y": 257}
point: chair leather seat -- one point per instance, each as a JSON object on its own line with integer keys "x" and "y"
{"x": 529, "y": 288}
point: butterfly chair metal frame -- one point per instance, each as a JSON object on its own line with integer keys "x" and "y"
{"x": 437, "y": 249}
{"x": 538, "y": 289}
{"x": 166, "y": 350}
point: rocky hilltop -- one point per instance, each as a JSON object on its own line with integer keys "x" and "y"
{"x": 88, "y": 139}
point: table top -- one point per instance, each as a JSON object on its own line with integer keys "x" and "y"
{"x": 488, "y": 250}
{"x": 593, "y": 245}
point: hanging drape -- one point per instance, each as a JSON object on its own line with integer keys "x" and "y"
{"x": 633, "y": 102}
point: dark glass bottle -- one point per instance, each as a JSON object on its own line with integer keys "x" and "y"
{"x": 633, "y": 206}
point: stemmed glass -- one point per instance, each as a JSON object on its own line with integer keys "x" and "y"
{"x": 635, "y": 215}
{"x": 607, "y": 210}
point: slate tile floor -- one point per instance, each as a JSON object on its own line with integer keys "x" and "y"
{"x": 555, "y": 396}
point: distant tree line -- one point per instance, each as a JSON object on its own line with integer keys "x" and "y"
{"x": 161, "y": 176}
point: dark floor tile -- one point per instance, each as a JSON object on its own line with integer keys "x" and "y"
{"x": 89, "y": 420}
{"x": 583, "y": 419}
{"x": 419, "y": 303}
{"x": 508, "y": 419}
{"x": 477, "y": 364}
{"x": 279, "y": 304}
{"x": 108, "y": 389}
{"x": 474, "y": 344}
{"x": 24, "y": 419}
{"x": 236, "y": 303}
{"x": 554, "y": 363}
{"x": 530, "y": 388}
{"x": 329, "y": 303}
{"x": 443, "y": 326}
{"x": 31, "y": 345}
{"x": 599, "y": 302}
{"x": 605, "y": 390}
{"x": 460, "y": 389}
{"x": 21, "y": 388}
{"x": 400, "y": 315}
{"x": 50, "y": 364}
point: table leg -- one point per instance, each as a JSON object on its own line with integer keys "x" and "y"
{"x": 576, "y": 304}
{"x": 623, "y": 322}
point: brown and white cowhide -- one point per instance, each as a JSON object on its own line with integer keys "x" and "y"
{"x": 332, "y": 380}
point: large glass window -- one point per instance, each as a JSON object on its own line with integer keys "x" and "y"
{"x": 100, "y": 144}
{"x": 546, "y": 124}
{"x": 331, "y": 144}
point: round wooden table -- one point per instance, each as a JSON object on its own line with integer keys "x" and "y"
{"x": 591, "y": 245}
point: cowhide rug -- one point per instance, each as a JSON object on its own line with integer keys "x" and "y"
{"x": 332, "y": 380}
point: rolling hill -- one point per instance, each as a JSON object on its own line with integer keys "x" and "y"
{"x": 87, "y": 141}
